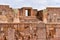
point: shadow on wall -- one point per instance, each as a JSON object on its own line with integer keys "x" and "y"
{"x": 39, "y": 15}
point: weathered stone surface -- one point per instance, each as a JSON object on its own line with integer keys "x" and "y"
{"x": 36, "y": 25}
{"x": 11, "y": 34}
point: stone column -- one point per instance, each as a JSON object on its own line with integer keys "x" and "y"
{"x": 11, "y": 34}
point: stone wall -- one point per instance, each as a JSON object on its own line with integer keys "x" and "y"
{"x": 6, "y": 14}
{"x": 23, "y": 31}
{"x": 53, "y": 14}
{"x": 53, "y": 31}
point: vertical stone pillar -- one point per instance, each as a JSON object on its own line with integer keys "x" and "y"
{"x": 23, "y": 12}
{"x": 11, "y": 34}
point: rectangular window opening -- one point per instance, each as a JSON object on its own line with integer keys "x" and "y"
{"x": 27, "y": 13}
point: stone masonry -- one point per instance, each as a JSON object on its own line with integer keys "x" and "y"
{"x": 27, "y": 23}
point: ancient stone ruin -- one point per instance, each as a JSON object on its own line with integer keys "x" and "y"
{"x": 27, "y": 23}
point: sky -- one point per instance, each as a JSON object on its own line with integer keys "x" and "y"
{"x": 37, "y": 4}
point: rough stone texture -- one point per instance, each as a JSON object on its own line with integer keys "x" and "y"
{"x": 52, "y": 20}
{"x": 27, "y": 32}
{"x": 11, "y": 34}
{"x": 38, "y": 25}
{"x": 25, "y": 27}
{"x": 52, "y": 14}
{"x": 53, "y": 31}
{"x": 6, "y": 14}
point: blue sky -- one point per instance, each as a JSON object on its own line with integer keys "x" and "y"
{"x": 39, "y": 4}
